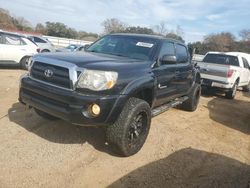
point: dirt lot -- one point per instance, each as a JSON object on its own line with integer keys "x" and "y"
{"x": 207, "y": 148}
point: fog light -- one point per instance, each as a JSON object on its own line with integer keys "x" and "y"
{"x": 95, "y": 109}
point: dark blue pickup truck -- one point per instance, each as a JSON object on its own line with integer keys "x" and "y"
{"x": 120, "y": 81}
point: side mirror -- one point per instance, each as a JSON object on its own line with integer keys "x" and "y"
{"x": 169, "y": 59}
{"x": 86, "y": 46}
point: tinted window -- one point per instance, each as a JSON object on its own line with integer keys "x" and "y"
{"x": 39, "y": 40}
{"x": 12, "y": 40}
{"x": 181, "y": 54}
{"x": 167, "y": 49}
{"x": 1, "y": 38}
{"x": 135, "y": 47}
{"x": 221, "y": 59}
{"x": 245, "y": 62}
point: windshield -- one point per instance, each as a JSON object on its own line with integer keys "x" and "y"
{"x": 127, "y": 46}
{"x": 221, "y": 59}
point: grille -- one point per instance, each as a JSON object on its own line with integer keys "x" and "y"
{"x": 60, "y": 75}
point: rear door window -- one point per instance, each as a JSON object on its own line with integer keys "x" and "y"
{"x": 12, "y": 40}
{"x": 1, "y": 38}
{"x": 181, "y": 53}
{"x": 167, "y": 49}
{"x": 222, "y": 59}
{"x": 245, "y": 63}
{"x": 39, "y": 40}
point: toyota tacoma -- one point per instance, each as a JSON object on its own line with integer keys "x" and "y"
{"x": 120, "y": 81}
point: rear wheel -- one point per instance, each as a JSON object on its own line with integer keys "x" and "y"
{"x": 193, "y": 99}
{"x": 247, "y": 87}
{"x": 45, "y": 115}
{"x": 25, "y": 63}
{"x": 45, "y": 50}
{"x": 232, "y": 92}
{"x": 130, "y": 131}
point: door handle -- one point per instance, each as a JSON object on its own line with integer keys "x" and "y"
{"x": 161, "y": 87}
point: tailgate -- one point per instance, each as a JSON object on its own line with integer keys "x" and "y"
{"x": 214, "y": 72}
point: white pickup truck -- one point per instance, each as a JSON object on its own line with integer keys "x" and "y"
{"x": 226, "y": 71}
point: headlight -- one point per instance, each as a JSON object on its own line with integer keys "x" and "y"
{"x": 97, "y": 80}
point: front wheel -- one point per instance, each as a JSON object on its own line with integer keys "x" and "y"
{"x": 130, "y": 131}
{"x": 25, "y": 63}
{"x": 193, "y": 99}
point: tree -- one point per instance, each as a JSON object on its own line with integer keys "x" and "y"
{"x": 222, "y": 42}
{"x": 200, "y": 47}
{"x": 83, "y": 35}
{"x": 56, "y": 29}
{"x": 174, "y": 36}
{"x": 113, "y": 25}
{"x": 179, "y": 32}
{"x": 6, "y": 20}
{"x": 139, "y": 30}
{"x": 40, "y": 28}
{"x": 160, "y": 29}
{"x": 245, "y": 34}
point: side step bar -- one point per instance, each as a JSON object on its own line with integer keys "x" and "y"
{"x": 163, "y": 108}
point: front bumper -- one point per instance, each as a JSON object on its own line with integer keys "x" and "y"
{"x": 69, "y": 105}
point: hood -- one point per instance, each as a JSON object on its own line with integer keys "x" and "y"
{"x": 95, "y": 61}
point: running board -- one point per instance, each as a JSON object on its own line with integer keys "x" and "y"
{"x": 163, "y": 108}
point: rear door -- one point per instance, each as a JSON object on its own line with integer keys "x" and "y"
{"x": 183, "y": 73}
{"x": 14, "y": 48}
{"x": 245, "y": 72}
{"x": 1, "y": 47}
{"x": 165, "y": 76}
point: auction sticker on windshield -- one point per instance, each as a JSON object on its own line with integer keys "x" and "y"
{"x": 145, "y": 44}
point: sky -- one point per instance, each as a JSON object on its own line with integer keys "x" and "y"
{"x": 197, "y": 18}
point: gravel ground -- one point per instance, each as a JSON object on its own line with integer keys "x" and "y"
{"x": 207, "y": 148}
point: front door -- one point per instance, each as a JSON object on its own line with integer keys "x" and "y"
{"x": 184, "y": 69}
{"x": 165, "y": 76}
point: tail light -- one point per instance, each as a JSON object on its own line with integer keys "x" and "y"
{"x": 230, "y": 73}
{"x": 38, "y": 50}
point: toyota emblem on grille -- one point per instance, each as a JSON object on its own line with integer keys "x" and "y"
{"x": 48, "y": 73}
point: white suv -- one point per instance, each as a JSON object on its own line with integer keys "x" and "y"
{"x": 44, "y": 44}
{"x": 16, "y": 49}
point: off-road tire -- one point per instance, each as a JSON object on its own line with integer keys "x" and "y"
{"x": 193, "y": 99}
{"x": 232, "y": 92}
{"x": 247, "y": 87}
{"x": 123, "y": 133}
{"x": 24, "y": 63}
{"x": 45, "y": 115}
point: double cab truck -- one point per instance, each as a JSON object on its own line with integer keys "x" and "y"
{"x": 121, "y": 81}
{"x": 226, "y": 72}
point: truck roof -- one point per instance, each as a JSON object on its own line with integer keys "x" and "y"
{"x": 238, "y": 54}
{"x": 230, "y": 53}
{"x": 147, "y": 36}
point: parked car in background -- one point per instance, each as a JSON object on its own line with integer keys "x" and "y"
{"x": 16, "y": 49}
{"x": 71, "y": 48}
{"x": 44, "y": 44}
{"x": 226, "y": 71}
